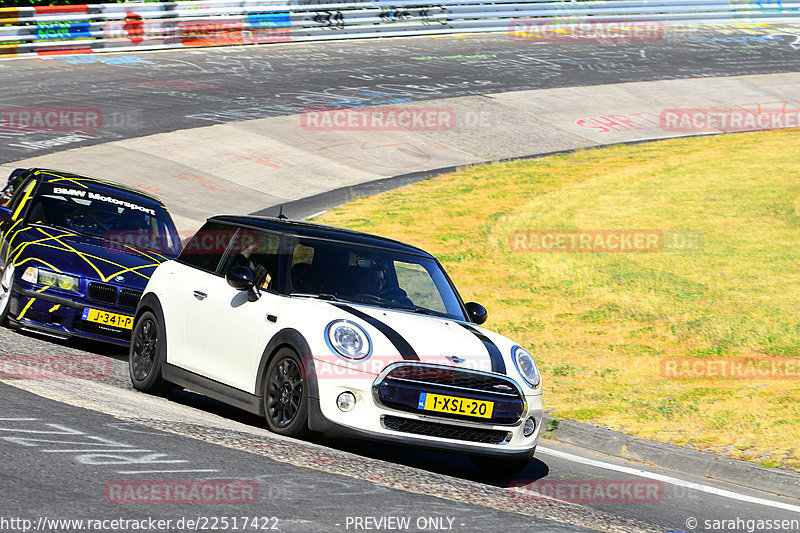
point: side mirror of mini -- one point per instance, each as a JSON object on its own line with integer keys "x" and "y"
{"x": 477, "y": 313}
{"x": 241, "y": 278}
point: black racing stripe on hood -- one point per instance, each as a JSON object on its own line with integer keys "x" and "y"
{"x": 394, "y": 337}
{"x": 498, "y": 365}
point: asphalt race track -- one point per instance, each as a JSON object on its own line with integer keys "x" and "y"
{"x": 57, "y": 470}
{"x": 79, "y": 481}
{"x": 144, "y": 93}
{"x": 65, "y": 443}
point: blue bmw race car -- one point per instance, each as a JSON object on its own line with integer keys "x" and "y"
{"x": 76, "y": 253}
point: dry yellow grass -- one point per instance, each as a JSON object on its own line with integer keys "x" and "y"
{"x": 600, "y": 323}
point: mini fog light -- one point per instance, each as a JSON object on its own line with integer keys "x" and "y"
{"x": 528, "y": 427}
{"x": 346, "y": 401}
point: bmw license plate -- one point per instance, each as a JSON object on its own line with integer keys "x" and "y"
{"x": 109, "y": 319}
{"x": 455, "y": 405}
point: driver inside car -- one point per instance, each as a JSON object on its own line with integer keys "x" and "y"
{"x": 372, "y": 281}
{"x": 262, "y": 265}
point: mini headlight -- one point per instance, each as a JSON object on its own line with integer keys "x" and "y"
{"x": 526, "y": 366}
{"x": 348, "y": 340}
{"x": 61, "y": 281}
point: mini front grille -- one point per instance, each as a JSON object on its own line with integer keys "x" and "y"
{"x": 407, "y": 387}
{"x": 129, "y": 298}
{"x": 445, "y": 431}
{"x": 452, "y": 377}
{"x": 100, "y": 292}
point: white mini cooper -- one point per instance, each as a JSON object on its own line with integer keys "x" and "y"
{"x": 331, "y": 330}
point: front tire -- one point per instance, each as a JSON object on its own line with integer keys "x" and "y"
{"x": 285, "y": 395}
{"x": 6, "y": 288}
{"x": 147, "y": 354}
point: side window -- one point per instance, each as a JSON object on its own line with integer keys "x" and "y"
{"x": 256, "y": 250}
{"x": 20, "y": 196}
{"x": 11, "y": 187}
{"x": 206, "y": 247}
{"x": 301, "y": 272}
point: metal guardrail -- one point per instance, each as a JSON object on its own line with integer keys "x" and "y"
{"x": 136, "y": 25}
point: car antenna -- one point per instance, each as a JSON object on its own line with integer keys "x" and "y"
{"x": 281, "y": 216}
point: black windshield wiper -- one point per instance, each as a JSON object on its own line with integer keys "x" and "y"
{"x": 415, "y": 309}
{"x": 321, "y": 296}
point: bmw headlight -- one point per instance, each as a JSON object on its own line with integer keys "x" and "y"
{"x": 348, "y": 340}
{"x": 52, "y": 279}
{"x": 526, "y": 365}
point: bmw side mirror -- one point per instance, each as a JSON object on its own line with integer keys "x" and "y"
{"x": 241, "y": 278}
{"x": 477, "y": 313}
{"x": 5, "y": 213}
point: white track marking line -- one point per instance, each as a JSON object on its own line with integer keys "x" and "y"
{"x": 668, "y": 479}
{"x": 96, "y": 450}
{"x": 164, "y": 471}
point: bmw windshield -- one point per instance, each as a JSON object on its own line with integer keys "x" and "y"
{"x": 372, "y": 276}
{"x": 120, "y": 220}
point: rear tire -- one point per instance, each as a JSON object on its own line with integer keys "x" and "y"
{"x": 147, "y": 354}
{"x": 499, "y": 466}
{"x": 6, "y": 289}
{"x": 284, "y": 395}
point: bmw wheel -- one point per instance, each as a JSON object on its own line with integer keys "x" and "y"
{"x": 147, "y": 353}
{"x": 285, "y": 395}
{"x": 6, "y": 286}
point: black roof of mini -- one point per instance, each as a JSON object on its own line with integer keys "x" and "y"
{"x": 318, "y": 231}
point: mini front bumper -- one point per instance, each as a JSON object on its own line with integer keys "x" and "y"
{"x": 373, "y": 421}
{"x": 318, "y": 422}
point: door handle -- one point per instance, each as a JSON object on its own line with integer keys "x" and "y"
{"x": 200, "y": 295}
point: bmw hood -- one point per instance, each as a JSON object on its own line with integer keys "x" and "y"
{"x": 86, "y": 257}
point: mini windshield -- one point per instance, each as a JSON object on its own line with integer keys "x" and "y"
{"x": 120, "y": 220}
{"x": 372, "y": 276}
